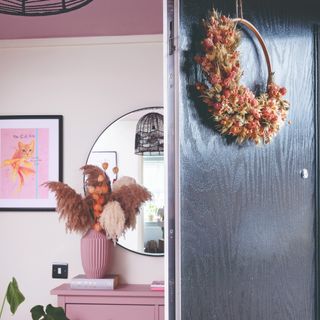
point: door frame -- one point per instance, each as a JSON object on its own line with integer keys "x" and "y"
{"x": 316, "y": 33}
{"x": 171, "y": 111}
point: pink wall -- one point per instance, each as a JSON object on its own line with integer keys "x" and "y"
{"x": 98, "y": 18}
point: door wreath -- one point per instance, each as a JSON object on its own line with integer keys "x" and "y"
{"x": 235, "y": 110}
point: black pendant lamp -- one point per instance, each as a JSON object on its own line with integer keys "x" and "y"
{"x": 40, "y": 7}
{"x": 149, "y": 135}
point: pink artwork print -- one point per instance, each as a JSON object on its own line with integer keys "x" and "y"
{"x": 24, "y": 163}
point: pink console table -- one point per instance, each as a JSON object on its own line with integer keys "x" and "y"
{"x": 132, "y": 301}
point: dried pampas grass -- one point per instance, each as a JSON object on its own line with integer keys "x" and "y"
{"x": 114, "y": 211}
{"x": 130, "y": 198}
{"x": 112, "y": 220}
{"x": 71, "y": 207}
{"x": 123, "y": 181}
{"x": 97, "y": 183}
{"x": 92, "y": 174}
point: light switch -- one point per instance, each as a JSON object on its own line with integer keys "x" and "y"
{"x": 60, "y": 270}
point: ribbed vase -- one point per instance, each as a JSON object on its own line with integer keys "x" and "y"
{"x": 95, "y": 254}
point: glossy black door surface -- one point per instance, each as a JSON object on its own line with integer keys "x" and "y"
{"x": 248, "y": 218}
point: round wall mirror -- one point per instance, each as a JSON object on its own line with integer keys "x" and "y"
{"x": 134, "y": 143}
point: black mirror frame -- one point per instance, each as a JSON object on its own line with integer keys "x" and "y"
{"x": 109, "y": 125}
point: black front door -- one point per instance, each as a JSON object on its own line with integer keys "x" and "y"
{"x": 248, "y": 217}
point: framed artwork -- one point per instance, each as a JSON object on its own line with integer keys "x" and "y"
{"x": 30, "y": 154}
{"x": 97, "y": 158}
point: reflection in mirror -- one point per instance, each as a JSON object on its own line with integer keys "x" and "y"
{"x": 117, "y": 145}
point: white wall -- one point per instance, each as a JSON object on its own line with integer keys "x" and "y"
{"x": 91, "y": 82}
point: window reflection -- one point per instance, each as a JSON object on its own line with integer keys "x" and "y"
{"x": 153, "y": 180}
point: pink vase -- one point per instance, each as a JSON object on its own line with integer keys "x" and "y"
{"x": 95, "y": 254}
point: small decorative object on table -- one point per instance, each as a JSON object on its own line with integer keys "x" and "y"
{"x": 235, "y": 110}
{"x": 157, "y": 285}
{"x": 105, "y": 212}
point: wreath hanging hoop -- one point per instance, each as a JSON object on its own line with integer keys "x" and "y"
{"x": 234, "y": 108}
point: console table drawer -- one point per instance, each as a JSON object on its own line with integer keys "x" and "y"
{"x": 129, "y": 301}
{"x": 109, "y": 312}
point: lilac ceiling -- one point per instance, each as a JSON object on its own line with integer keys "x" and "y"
{"x": 98, "y": 18}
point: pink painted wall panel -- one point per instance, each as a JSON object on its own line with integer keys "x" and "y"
{"x": 98, "y": 18}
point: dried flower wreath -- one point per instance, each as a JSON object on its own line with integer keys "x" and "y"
{"x": 106, "y": 208}
{"x": 235, "y": 110}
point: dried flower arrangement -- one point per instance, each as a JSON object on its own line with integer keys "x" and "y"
{"x": 106, "y": 208}
{"x": 235, "y": 110}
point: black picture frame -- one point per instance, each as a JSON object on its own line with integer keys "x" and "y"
{"x": 31, "y": 153}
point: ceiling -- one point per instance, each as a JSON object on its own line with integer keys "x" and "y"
{"x": 98, "y": 18}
